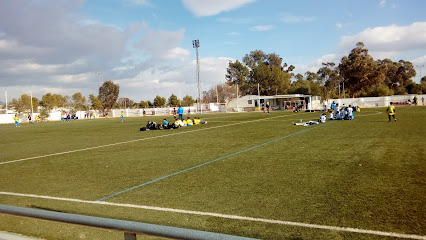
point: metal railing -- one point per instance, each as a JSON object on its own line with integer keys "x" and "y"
{"x": 129, "y": 228}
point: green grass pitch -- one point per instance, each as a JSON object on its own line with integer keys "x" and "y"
{"x": 367, "y": 174}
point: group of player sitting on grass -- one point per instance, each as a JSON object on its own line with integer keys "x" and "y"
{"x": 336, "y": 113}
{"x": 169, "y": 125}
{"x": 344, "y": 113}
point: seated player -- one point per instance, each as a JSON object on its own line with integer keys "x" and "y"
{"x": 322, "y": 118}
{"x": 165, "y": 124}
{"x": 199, "y": 121}
{"x": 176, "y": 123}
{"x": 189, "y": 122}
{"x": 181, "y": 123}
{"x": 196, "y": 121}
{"x": 151, "y": 125}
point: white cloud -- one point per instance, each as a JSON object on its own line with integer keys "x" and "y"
{"x": 60, "y": 50}
{"x": 339, "y": 25}
{"x": 394, "y": 42}
{"x": 179, "y": 79}
{"x": 382, "y": 3}
{"x": 235, "y": 20}
{"x": 315, "y": 65}
{"x": 290, "y": 18}
{"x": 138, "y": 3}
{"x": 233, "y": 34}
{"x": 207, "y": 8}
{"x": 162, "y": 45}
{"x": 230, "y": 43}
{"x": 419, "y": 61}
{"x": 261, "y": 28}
{"x": 389, "y": 40}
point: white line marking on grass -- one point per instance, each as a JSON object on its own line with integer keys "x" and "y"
{"x": 371, "y": 114}
{"x": 136, "y": 140}
{"x": 227, "y": 216}
{"x": 204, "y": 164}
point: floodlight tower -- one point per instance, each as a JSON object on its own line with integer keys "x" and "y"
{"x": 196, "y": 45}
{"x": 420, "y": 66}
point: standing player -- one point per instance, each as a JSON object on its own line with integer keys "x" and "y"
{"x": 180, "y": 112}
{"x": 16, "y": 121}
{"x": 122, "y": 116}
{"x": 174, "y": 113}
{"x": 391, "y": 111}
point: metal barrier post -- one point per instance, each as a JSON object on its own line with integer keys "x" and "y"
{"x": 129, "y": 236}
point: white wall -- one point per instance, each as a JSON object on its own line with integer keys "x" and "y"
{"x": 367, "y": 102}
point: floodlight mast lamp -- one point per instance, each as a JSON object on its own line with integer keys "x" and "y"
{"x": 99, "y": 78}
{"x": 196, "y": 45}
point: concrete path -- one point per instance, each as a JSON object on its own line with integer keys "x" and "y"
{"x": 15, "y": 236}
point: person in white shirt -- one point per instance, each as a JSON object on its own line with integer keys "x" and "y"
{"x": 323, "y": 118}
{"x": 337, "y": 112}
{"x": 181, "y": 124}
{"x": 350, "y": 112}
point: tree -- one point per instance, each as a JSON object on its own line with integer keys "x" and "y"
{"x": 17, "y": 104}
{"x": 237, "y": 73}
{"x": 314, "y": 84}
{"x": 173, "y": 101}
{"x": 133, "y": 104}
{"x": 143, "y": 104}
{"x": 206, "y": 97}
{"x": 222, "y": 92}
{"x": 108, "y": 95}
{"x": 358, "y": 70}
{"x": 124, "y": 103}
{"x": 159, "y": 101}
{"x": 187, "y": 101}
{"x": 330, "y": 80}
{"x": 268, "y": 71}
{"x": 95, "y": 103}
{"x": 23, "y": 104}
{"x": 300, "y": 86}
{"x": 423, "y": 85}
{"x": 381, "y": 90}
{"x": 405, "y": 74}
{"x": 78, "y": 101}
{"x": 50, "y": 101}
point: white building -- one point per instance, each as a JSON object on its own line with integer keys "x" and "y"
{"x": 276, "y": 102}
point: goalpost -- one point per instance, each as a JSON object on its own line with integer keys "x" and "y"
{"x": 214, "y": 108}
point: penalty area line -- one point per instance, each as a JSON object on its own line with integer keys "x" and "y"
{"x": 228, "y": 216}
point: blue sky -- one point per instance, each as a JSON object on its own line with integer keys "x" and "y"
{"x": 145, "y": 46}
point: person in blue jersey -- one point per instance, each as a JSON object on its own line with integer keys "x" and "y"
{"x": 180, "y": 112}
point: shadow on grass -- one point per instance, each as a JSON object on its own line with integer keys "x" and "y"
{"x": 45, "y": 208}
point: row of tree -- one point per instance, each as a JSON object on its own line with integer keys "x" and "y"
{"x": 107, "y": 99}
{"x": 357, "y": 75}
